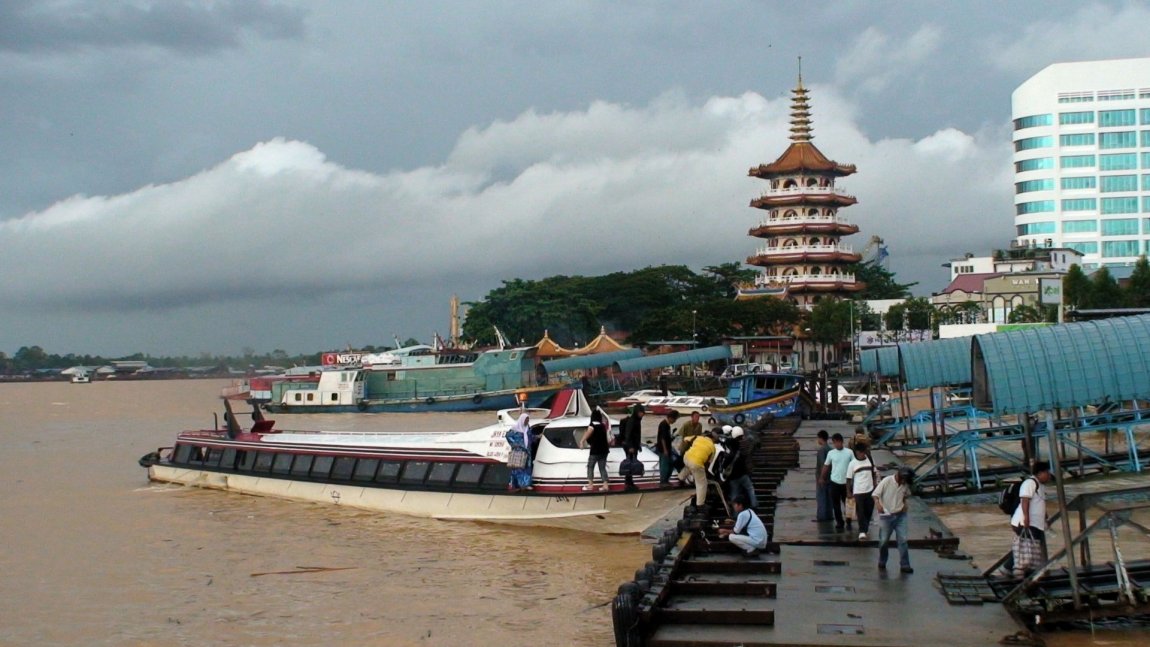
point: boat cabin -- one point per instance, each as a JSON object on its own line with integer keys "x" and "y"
{"x": 760, "y": 386}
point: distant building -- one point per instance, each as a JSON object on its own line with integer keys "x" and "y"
{"x": 986, "y": 289}
{"x": 1080, "y": 139}
{"x": 803, "y": 258}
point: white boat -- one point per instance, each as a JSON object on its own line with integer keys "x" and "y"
{"x": 684, "y": 404}
{"x": 446, "y": 475}
{"x": 642, "y": 396}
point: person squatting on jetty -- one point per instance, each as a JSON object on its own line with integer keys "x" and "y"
{"x": 835, "y": 476}
{"x": 861, "y": 481}
{"x": 822, "y": 491}
{"x": 695, "y": 461}
{"x": 739, "y": 475}
{"x": 748, "y": 532}
{"x": 689, "y": 430}
{"x": 596, "y": 438}
{"x": 665, "y": 448}
{"x": 890, "y": 502}
{"x": 631, "y": 437}
{"x": 1031, "y": 510}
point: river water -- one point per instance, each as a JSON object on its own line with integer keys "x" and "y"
{"x": 92, "y": 554}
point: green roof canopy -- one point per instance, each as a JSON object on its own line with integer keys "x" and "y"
{"x": 697, "y": 356}
{"x": 584, "y": 362}
{"x": 882, "y": 360}
{"x": 935, "y": 363}
{"x": 1075, "y": 364}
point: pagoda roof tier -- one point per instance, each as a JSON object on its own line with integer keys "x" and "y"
{"x": 800, "y": 255}
{"x": 827, "y": 284}
{"x": 803, "y": 226}
{"x": 771, "y": 200}
{"x": 800, "y": 157}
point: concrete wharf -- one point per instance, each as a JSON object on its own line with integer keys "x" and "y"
{"x": 812, "y": 586}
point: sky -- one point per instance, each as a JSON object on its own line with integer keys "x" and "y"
{"x": 210, "y": 176}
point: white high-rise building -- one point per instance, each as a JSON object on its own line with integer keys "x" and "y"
{"x": 1082, "y": 160}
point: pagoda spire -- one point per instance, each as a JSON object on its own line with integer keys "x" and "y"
{"x": 800, "y": 111}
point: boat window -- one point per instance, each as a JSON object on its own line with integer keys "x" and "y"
{"x": 299, "y": 397}
{"x": 469, "y": 473}
{"x": 388, "y": 472}
{"x": 264, "y": 461}
{"x": 335, "y": 397}
{"x": 282, "y": 464}
{"x": 183, "y": 454}
{"x": 365, "y": 469}
{"x": 563, "y": 438}
{"x": 414, "y": 472}
{"x": 496, "y": 476}
{"x": 344, "y": 465}
{"x": 214, "y": 455}
{"x": 245, "y": 460}
{"x": 302, "y": 465}
{"x": 310, "y": 397}
{"x": 441, "y": 474}
{"x": 228, "y": 460}
{"x": 321, "y": 467}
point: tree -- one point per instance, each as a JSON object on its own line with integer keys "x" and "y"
{"x": 1104, "y": 290}
{"x": 880, "y": 282}
{"x": 919, "y": 313}
{"x": 1026, "y": 313}
{"x": 830, "y": 322}
{"x": 1137, "y": 292}
{"x": 1076, "y": 289}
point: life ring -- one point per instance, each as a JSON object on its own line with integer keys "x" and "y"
{"x": 429, "y": 401}
{"x": 477, "y": 398}
{"x": 739, "y": 418}
{"x": 711, "y": 421}
{"x": 361, "y": 405}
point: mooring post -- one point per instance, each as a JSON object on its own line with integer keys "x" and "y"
{"x": 1056, "y": 469}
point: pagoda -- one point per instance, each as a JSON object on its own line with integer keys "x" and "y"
{"x": 803, "y": 257}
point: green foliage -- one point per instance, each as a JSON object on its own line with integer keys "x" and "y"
{"x": 880, "y": 282}
{"x": 1076, "y": 288}
{"x": 1104, "y": 290}
{"x": 668, "y": 302}
{"x": 830, "y": 321}
{"x": 1026, "y": 314}
{"x": 1137, "y": 293}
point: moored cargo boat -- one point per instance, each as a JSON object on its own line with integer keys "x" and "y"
{"x": 753, "y": 396}
{"x": 460, "y": 475}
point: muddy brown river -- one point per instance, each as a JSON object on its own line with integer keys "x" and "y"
{"x": 92, "y": 554}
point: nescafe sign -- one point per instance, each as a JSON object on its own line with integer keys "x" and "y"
{"x": 340, "y": 359}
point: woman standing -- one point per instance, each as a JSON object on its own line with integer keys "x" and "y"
{"x": 518, "y": 459}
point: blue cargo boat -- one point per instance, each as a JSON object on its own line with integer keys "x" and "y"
{"x": 753, "y": 396}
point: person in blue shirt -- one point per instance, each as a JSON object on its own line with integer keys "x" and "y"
{"x": 834, "y": 474}
{"x": 748, "y": 532}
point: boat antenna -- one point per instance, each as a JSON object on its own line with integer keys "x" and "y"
{"x": 503, "y": 343}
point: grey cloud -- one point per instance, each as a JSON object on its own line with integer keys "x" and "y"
{"x": 184, "y": 26}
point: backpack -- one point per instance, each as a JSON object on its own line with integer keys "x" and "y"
{"x": 1009, "y": 498}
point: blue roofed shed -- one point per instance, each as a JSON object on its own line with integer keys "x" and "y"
{"x": 697, "y": 356}
{"x": 1029, "y": 370}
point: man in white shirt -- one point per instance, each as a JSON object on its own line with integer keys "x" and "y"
{"x": 1031, "y": 510}
{"x": 861, "y": 481}
{"x": 890, "y": 502}
{"x": 748, "y": 533}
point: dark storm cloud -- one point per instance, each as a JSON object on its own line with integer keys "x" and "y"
{"x": 186, "y": 26}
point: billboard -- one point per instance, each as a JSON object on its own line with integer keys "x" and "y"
{"x": 875, "y": 338}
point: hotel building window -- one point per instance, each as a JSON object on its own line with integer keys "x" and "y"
{"x": 1097, "y": 141}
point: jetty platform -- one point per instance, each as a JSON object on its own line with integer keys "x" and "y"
{"x": 813, "y": 585}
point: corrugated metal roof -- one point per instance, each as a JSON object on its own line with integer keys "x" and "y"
{"x": 697, "y": 356}
{"x": 595, "y": 360}
{"x": 936, "y": 363}
{"x": 882, "y": 360}
{"x": 1062, "y": 366}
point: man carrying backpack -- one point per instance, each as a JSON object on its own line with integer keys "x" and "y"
{"x": 1030, "y": 514}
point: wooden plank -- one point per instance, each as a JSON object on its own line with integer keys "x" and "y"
{"x": 762, "y": 617}
{"x": 711, "y": 587}
{"x": 748, "y": 566}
